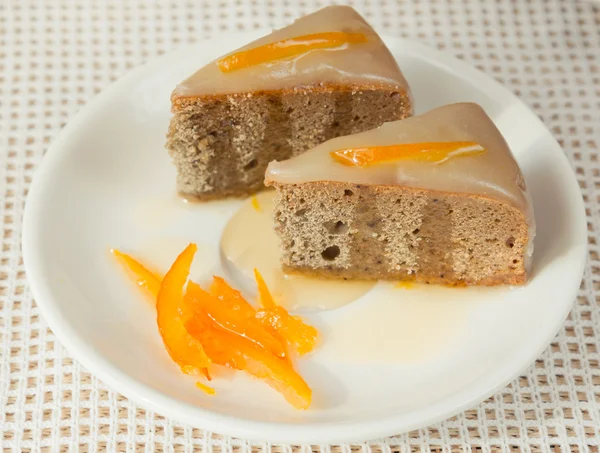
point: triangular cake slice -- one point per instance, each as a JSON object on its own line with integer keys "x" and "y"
{"x": 436, "y": 198}
{"x": 326, "y": 75}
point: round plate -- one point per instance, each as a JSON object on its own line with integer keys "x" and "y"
{"x": 108, "y": 182}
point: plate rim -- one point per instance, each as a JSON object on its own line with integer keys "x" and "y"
{"x": 276, "y": 432}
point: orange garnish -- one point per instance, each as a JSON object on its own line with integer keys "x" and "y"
{"x": 205, "y": 388}
{"x": 297, "y": 334}
{"x": 144, "y": 278}
{"x": 256, "y": 204}
{"x": 220, "y": 327}
{"x": 232, "y": 298}
{"x": 152, "y": 283}
{"x": 301, "y": 337}
{"x": 288, "y": 48}
{"x": 435, "y": 152}
{"x": 226, "y": 313}
{"x": 172, "y": 315}
{"x": 234, "y": 351}
{"x": 266, "y": 299}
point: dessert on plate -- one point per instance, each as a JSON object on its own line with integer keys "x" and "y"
{"x": 436, "y": 198}
{"x": 326, "y": 75}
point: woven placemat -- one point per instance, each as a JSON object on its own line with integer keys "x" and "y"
{"x": 56, "y": 55}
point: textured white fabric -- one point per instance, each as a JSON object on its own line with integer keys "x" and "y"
{"x": 56, "y": 55}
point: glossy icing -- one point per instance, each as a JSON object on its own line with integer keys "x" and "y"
{"x": 494, "y": 174}
{"x": 360, "y": 64}
{"x": 249, "y": 241}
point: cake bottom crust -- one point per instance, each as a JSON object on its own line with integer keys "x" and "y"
{"x": 213, "y": 196}
{"x": 335, "y": 274}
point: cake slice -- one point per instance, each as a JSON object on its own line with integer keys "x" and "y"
{"x": 326, "y": 75}
{"x": 436, "y": 198}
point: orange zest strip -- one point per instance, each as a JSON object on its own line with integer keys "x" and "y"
{"x": 435, "y": 152}
{"x": 301, "y": 337}
{"x": 230, "y": 297}
{"x": 151, "y": 282}
{"x": 144, "y": 278}
{"x": 228, "y": 349}
{"x": 184, "y": 349}
{"x": 292, "y": 329}
{"x": 288, "y": 48}
{"x": 205, "y": 388}
{"x": 266, "y": 299}
{"x": 225, "y": 314}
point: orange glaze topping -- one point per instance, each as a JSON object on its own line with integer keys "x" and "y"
{"x": 288, "y": 48}
{"x": 435, "y": 152}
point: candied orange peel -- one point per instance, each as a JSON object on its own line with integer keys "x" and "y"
{"x": 228, "y": 315}
{"x": 288, "y": 48}
{"x": 219, "y": 327}
{"x": 266, "y": 299}
{"x": 301, "y": 337}
{"x": 435, "y": 152}
{"x": 205, "y": 388}
{"x": 184, "y": 349}
{"x": 240, "y": 353}
{"x": 144, "y": 278}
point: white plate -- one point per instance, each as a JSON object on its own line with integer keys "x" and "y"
{"x": 107, "y": 182}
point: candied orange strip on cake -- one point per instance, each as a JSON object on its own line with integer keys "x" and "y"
{"x": 299, "y": 336}
{"x": 435, "y": 152}
{"x": 144, "y": 278}
{"x": 172, "y": 315}
{"x": 288, "y": 48}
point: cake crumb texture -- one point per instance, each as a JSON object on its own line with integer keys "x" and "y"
{"x": 343, "y": 230}
{"x": 221, "y": 145}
